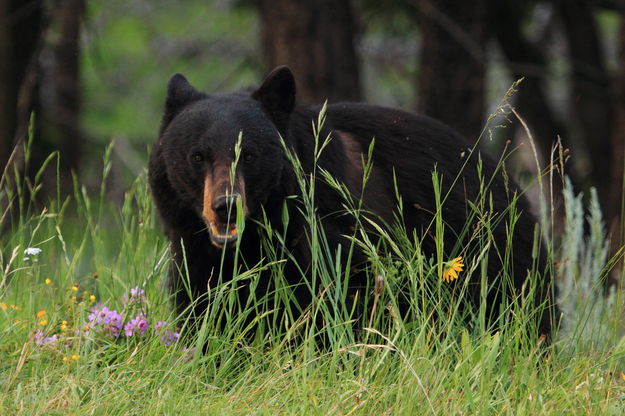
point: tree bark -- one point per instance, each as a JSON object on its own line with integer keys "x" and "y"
{"x": 451, "y": 63}
{"x": 316, "y": 39}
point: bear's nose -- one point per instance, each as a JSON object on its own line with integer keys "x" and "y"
{"x": 223, "y": 205}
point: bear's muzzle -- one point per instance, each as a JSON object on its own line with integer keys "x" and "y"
{"x": 219, "y": 208}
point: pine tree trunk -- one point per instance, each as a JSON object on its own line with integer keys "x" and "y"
{"x": 62, "y": 115}
{"x": 451, "y": 63}
{"x": 616, "y": 207}
{"x": 591, "y": 97}
{"x": 526, "y": 60}
{"x": 20, "y": 32}
{"x": 316, "y": 40}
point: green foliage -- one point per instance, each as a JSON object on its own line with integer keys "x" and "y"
{"x": 131, "y": 48}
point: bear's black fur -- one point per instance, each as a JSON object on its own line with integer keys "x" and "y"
{"x": 191, "y": 182}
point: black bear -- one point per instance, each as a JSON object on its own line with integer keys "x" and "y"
{"x": 196, "y": 191}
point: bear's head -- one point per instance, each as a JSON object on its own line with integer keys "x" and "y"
{"x": 201, "y": 136}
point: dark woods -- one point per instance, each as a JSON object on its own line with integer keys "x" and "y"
{"x": 40, "y": 78}
{"x": 447, "y": 52}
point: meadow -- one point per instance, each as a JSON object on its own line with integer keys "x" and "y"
{"x": 87, "y": 326}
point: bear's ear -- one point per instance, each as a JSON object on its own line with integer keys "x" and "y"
{"x": 277, "y": 92}
{"x": 179, "y": 94}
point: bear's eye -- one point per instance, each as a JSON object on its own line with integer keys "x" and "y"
{"x": 248, "y": 156}
{"x": 197, "y": 157}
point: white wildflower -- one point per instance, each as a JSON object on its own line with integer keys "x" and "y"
{"x": 32, "y": 251}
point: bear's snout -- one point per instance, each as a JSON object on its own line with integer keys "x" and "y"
{"x": 219, "y": 208}
{"x": 225, "y": 207}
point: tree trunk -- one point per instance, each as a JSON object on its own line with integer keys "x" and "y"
{"x": 526, "y": 60}
{"x": 20, "y": 33}
{"x": 316, "y": 39}
{"x": 7, "y": 96}
{"x": 616, "y": 203}
{"x": 451, "y": 63}
{"x": 591, "y": 98}
{"x": 61, "y": 113}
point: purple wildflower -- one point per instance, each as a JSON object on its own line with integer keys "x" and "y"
{"x": 136, "y": 295}
{"x": 105, "y": 320}
{"x": 137, "y": 326}
{"x": 41, "y": 340}
{"x": 142, "y": 325}
{"x": 51, "y": 339}
{"x": 135, "y": 292}
{"x": 167, "y": 337}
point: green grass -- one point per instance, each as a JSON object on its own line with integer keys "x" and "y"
{"x": 431, "y": 364}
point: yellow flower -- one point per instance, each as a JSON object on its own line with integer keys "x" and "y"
{"x": 64, "y": 326}
{"x": 65, "y": 359}
{"x": 17, "y": 308}
{"x": 75, "y": 287}
{"x": 48, "y": 281}
{"x": 3, "y": 306}
{"x": 92, "y": 298}
{"x": 41, "y": 313}
{"x": 75, "y": 357}
{"x": 452, "y": 269}
{"x": 43, "y": 322}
